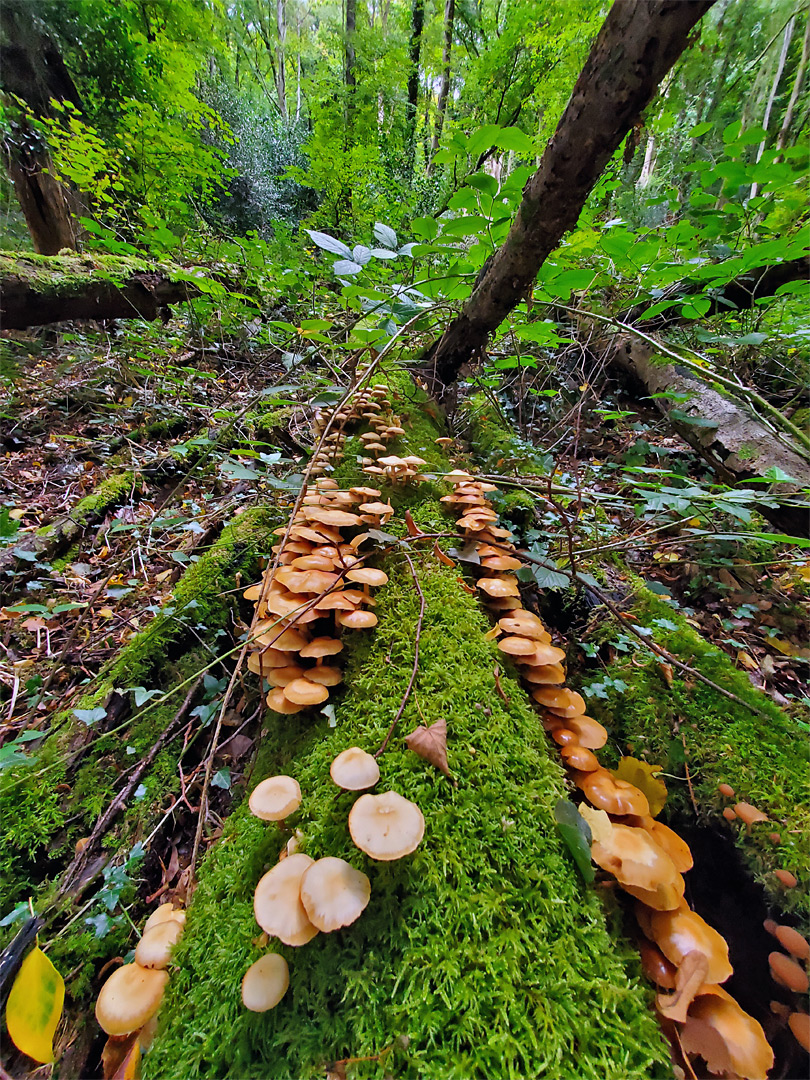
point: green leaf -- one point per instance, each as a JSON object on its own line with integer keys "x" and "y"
{"x": 329, "y": 243}
{"x": 234, "y": 471}
{"x": 90, "y": 716}
{"x": 347, "y": 266}
{"x": 694, "y": 421}
{"x": 482, "y": 181}
{"x": 465, "y": 226}
{"x": 385, "y": 235}
{"x": 425, "y": 228}
{"x": 222, "y": 779}
{"x": 701, "y": 129}
{"x": 576, "y": 832}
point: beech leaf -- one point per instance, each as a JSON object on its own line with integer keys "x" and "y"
{"x": 35, "y": 1006}
{"x": 430, "y": 743}
{"x": 646, "y": 778}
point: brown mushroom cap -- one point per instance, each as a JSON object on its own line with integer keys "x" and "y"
{"x": 559, "y": 699}
{"x": 277, "y": 901}
{"x": 367, "y": 575}
{"x": 506, "y": 586}
{"x": 162, "y": 913}
{"x": 749, "y": 814}
{"x": 729, "y": 1040}
{"x": 334, "y": 894}
{"x": 262, "y": 662}
{"x": 387, "y": 826}
{"x": 545, "y": 674}
{"x": 501, "y": 562}
{"x": 799, "y": 1024}
{"x": 129, "y": 998}
{"x": 788, "y": 973}
{"x": 265, "y": 983}
{"x": 278, "y": 703}
{"x": 275, "y": 798}
{"x": 154, "y": 950}
{"x": 524, "y": 623}
{"x": 354, "y": 769}
{"x": 305, "y": 692}
{"x": 589, "y": 732}
{"x": 283, "y": 676}
{"x": 356, "y": 620}
{"x": 793, "y": 941}
{"x": 682, "y": 931}
{"x": 544, "y": 654}
{"x": 516, "y": 646}
{"x": 579, "y": 758}
{"x": 325, "y": 675}
{"x": 635, "y": 860}
{"x": 614, "y": 796}
{"x": 282, "y": 639}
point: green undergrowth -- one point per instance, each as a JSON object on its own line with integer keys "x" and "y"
{"x": 47, "y": 805}
{"x": 493, "y": 443}
{"x": 765, "y": 759}
{"x": 483, "y": 954}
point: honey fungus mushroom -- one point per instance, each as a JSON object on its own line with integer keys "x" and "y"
{"x": 265, "y": 983}
{"x": 275, "y": 798}
{"x": 387, "y": 826}
{"x": 354, "y": 769}
{"x": 334, "y": 894}
{"x": 155, "y": 947}
{"x": 129, "y": 998}
{"x": 277, "y": 901}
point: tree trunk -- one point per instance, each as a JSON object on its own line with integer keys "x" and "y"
{"x": 35, "y": 292}
{"x": 281, "y": 79}
{"x": 43, "y": 200}
{"x": 777, "y": 78}
{"x": 444, "y": 85}
{"x": 349, "y": 56}
{"x": 798, "y": 83}
{"x": 417, "y": 22}
{"x": 637, "y": 45}
{"x": 736, "y": 444}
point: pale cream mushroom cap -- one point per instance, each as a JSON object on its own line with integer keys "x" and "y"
{"x": 129, "y": 998}
{"x": 162, "y": 913}
{"x": 354, "y": 769}
{"x": 277, "y": 901}
{"x": 265, "y": 983}
{"x": 386, "y": 826}
{"x": 154, "y": 950}
{"x": 334, "y": 894}
{"x": 275, "y": 798}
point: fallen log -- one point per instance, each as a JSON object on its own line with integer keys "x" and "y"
{"x": 40, "y": 289}
{"x": 738, "y": 445}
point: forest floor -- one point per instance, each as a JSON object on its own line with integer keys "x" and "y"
{"x": 152, "y": 456}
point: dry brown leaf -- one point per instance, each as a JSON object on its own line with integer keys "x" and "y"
{"x": 441, "y": 556}
{"x": 746, "y": 660}
{"x": 430, "y": 743}
{"x": 666, "y": 671}
{"x": 689, "y": 978}
{"x": 413, "y": 528}
{"x": 117, "y": 1050}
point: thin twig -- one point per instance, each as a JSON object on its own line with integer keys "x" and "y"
{"x": 415, "y": 668}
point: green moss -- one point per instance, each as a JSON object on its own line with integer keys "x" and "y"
{"x": 43, "y": 822}
{"x": 766, "y": 760}
{"x": 483, "y": 954}
{"x": 59, "y": 274}
{"x": 493, "y": 443}
{"x": 112, "y": 491}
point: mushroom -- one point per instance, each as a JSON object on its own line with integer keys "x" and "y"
{"x": 749, "y": 814}
{"x": 524, "y": 623}
{"x": 305, "y": 692}
{"x": 727, "y": 790}
{"x": 545, "y": 674}
{"x": 162, "y": 913}
{"x": 788, "y": 973}
{"x": 517, "y": 646}
{"x": 367, "y": 575}
{"x": 560, "y": 700}
{"x": 637, "y": 862}
{"x": 275, "y": 798}
{"x": 129, "y": 997}
{"x": 589, "y": 732}
{"x": 505, "y": 586}
{"x": 283, "y": 676}
{"x": 793, "y": 941}
{"x": 682, "y": 931}
{"x": 605, "y": 792}
{"x": 354, "y": 769}
{"x": 326, "y": 676}
{"x": 334, "y": 894}
{"x": 784, "y": 877}
{"x": 727, "y": 1038}
{"x": 656, "y": 966}
{"x": 278, "y": 703}
{"x": 265, "y": 983}
{"x": 356, "y": 620}
{"x": 579, "y": 758}
{"x": 387, "y": 826}
{"x": 277, "y": 901}
{"x": 544, "y": 654}
{"x": 155, "y": 947}
{"x": 799, "y": 1024}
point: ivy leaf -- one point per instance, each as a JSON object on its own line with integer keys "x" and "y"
{"x": 222, "y": 779}
{"x": 90, "y": 716}
{"x": 35, "y": 1006}
{"x": 430, "y": 743}
{"x": 646, "y": 778}
{"x": 576, "y": 832}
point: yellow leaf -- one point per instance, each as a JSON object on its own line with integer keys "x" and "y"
{"x": 746, "y": 660}
{"x": 16, "y": 515}
{"x": 35, "y": 1006}
{"x": 163, "y": 575}
{"x": 106, "y": 613}
{"x": 646, "y": 778}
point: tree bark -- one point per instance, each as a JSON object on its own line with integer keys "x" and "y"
{"x": 777, "y": 78}
{"x": 637, "y": 45}
{"x": 281, "y": 78}
{"x": 444, "y": 86}
{"x": 736, "y": 444}
{"x": 414, "y": 49}
{"x": 798, "y": 83}
{"x": 74, "y": 288}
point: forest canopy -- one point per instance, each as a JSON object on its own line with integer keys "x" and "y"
{"x": 404, "y": 538}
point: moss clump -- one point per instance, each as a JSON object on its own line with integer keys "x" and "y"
{"x": 483, "y": 954}
{"x": 109, "y": 493}
{"x": 766, "y": 761}
{"x": 59, "y": 274}
{"x": 45, "y": 806}
{"x": 494, "y": 444}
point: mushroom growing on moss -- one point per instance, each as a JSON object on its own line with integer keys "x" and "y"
{"x": 727, "y": 1038}
{"x": 155, "y": 947}
{"x": 275, "y": 798}
{"x": 387, "y": 826}
{"x": 129, "y": 997}
{"x": 265, "y": 983}
{"x": 334, "y": 894}
{"x": 354, "y": 769}
{"x": 277, "y": 901}
{"x": 679, "y": 932}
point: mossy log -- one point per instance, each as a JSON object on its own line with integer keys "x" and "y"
{"x": 40, "y": 289}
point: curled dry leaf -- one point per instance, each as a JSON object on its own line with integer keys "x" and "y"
{"x": 430, "y": 743}
{"x": 666, "y": 671}
{"x": 689, "y": 978}
{"x": 440, "y": 555}
{"x": 413, "y": 528}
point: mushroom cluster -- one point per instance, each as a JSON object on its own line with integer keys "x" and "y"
{"x": 300, "y": 897}
{"x": 319, "y": 586}
{"x": 370, "y": 408}
{"x": 130, "y": 998}
{"x": 680, "y": 951}
{"x": 751, "y": 815}
{"x": 789, "y": 971}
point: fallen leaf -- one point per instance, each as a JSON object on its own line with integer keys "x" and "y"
{"x": 115, "y": 1053}
{"x": 430, "y": 743}
{"x": 413, "y": 528}
{"x": 34, "y": 1006}
{"x": 747, "y": 660}
{"x": 646, "y": 778}
{"x": 465, "y": 586}
{"x": 440, "y": 555}
{"x": 600, "y": 824}
{"x": 666, "y": 671}
{"x": 689, "y": 978}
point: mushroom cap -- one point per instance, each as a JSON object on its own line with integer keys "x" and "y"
{"x": 154, "y": 950}
{"x": 129, "y": 998}
{"x": 545, "y": 674}
{"x": 793, "y": 941}
{"x": 367, "y": 493}
{"x": 162, "y": 913}
{"x": 655, "y": 965}
{"x": 278, "y": 703}
{"x": 784, "y": 877}
{"x": 262, "y": 662}
{"x": 282, "y": 639}
{"x": 558, "y": 698}
{"x": 589, "y": 732}
{"x": 516, "y": 646}
{"x": 526, "y": 624}
{"x": 277, "y": 901}
{"x": 505, "y": 586}
{"x": 501, "y": 562}
{"x": 386, "y": 826}
{"x": 337, "y": 518}
{"x": 727, "y": 1038}
{"x": 325, "y": 675}
{"x": 682, "y": 931}
{"x": 305, "y": 692}
{"x": 282, "y": 676}
{"x": 265, "y": 983}
{"x": 788, "y": 973}
{"x": 605, "y": 792}
{"x": 544, "y": 654}
{"x": 378, "y": 509}
{"x": 367, "y": 575}
{"x": 579, "y": 758}
{"x": 354, "y": 769}
{"x": 334, "y": 894}
{"x": 634, "y": 859}
{"x": 356, "y": 620}
{"x": 799, "y": 1024}
{"x": 313, "y": 562}
{"x": 749, "y": 814}
{"x": 275, "y": 798}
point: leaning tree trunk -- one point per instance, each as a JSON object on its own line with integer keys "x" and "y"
{"x": 777, "y": 78}
{"x": 281, "y": 75}
{"x": 637, "y": 45}
{"x": 798, "y": 83}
